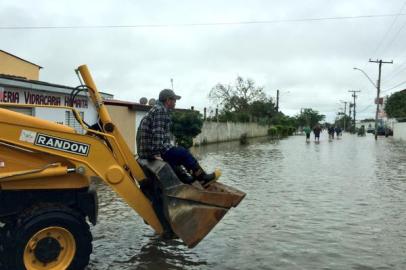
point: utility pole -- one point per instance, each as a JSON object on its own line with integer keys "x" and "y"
{"x": 349, "y": 109}
{"x": 378, "y": 90}
{"x": 345, "y": 111}
{"x": 172, "y": 83}
{"x": 354, "y": 104}
{"x": 302, "y": 111}
{"x": 277, "y": 100}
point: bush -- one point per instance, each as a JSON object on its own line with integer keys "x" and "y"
{"x": 281, "y": 131}
{"x": 186, "y": 126}
{"x": 272, "y": 131}
{"x": 291, "y": 130}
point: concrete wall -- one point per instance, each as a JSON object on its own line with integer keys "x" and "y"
{"x": 11, "y": 65}
{"x": 219, "y": 132}
{"x": 399, "y": 131}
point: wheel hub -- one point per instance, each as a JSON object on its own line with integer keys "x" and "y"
{"x": 47, "y": 250}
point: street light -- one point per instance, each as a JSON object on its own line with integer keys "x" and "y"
{"x": 377, "y": 99}
{"x": 366, "y": 75}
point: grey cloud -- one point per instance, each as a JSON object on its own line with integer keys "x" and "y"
{"x": 312, "y": 60}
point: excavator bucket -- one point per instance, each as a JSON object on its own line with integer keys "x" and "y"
{"x": 190, "y": 210}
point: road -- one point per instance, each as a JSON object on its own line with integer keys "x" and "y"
{"x": 333, "y": 205}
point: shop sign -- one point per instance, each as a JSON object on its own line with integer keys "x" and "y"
{"x": 40, "y": 98}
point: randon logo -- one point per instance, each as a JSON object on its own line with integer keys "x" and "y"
{"x": 62, "y": 144}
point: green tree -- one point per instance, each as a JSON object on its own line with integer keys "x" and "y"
{"x": 227, "y": 116}
{"x": 237, "y": 97}
{"x": 283, "y": 120}
{"x": 344, "y": 119}
{"x": 185, "y": 126}
{"x": 309, "y": 117}
{"x": 262, "y": 110}
{"x": 395, "y": 105}
{"x": 242, "y": 102}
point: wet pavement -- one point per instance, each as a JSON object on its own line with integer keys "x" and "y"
{"x": 332, "y": 205}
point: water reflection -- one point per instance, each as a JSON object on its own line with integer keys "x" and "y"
{"x": 332, "y": 205}
{"x": 164, "y": 254}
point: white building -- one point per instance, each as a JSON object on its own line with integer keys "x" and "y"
{"x": 19, "y": 90}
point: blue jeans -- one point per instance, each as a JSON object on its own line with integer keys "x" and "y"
{"x": 178, "y": 155}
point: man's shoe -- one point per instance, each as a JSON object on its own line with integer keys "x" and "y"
{"x": 207, "y": 179}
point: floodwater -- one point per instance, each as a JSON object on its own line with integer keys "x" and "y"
{"x": 332, "y": 205}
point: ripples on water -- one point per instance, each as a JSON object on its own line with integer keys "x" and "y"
{"x": 333, "y": 205}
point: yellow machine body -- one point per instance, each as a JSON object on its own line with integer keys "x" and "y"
{"x": 21, "y": 153}
{"x": 39, "y": 155}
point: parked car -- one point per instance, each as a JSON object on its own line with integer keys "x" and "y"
{"x": 370, "y": 130}
{"x": 384, "y": 131}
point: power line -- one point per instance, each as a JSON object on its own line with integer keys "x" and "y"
{"x": 199, "y": 24}
{"x": 365, "y": 108}
{"x": 400, "y": 68}
{"x": 395, "y": 72}
{"x": 396, "y": 35}
{"x": 390, "y": 28}
{"x": 386, "y": 90}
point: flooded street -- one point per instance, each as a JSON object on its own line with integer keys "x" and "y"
{"x": 333, "y": 205}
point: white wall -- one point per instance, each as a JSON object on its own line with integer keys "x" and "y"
{"x": 399, "y": 131}
{"x": 220, "y": 132}
{"x": 38, "y": 97}
{"x": 58, "y": 115}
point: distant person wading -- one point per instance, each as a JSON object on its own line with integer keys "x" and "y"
{"x": 317, "y": 131}
{"x": 307, "y": 131}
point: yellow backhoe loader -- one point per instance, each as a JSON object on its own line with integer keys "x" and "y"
{"x": 47, "y": 199}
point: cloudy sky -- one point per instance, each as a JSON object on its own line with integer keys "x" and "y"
{"x": 305, "y": 48}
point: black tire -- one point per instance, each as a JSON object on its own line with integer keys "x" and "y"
{"x": 2, "y": 249}
{"x": 16, "y": 237}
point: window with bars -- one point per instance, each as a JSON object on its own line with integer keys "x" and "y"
{"x": 71, "y": 121}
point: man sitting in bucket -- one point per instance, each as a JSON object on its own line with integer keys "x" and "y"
{"x": 153, "y": 141}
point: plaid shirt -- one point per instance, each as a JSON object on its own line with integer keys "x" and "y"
{"x": 153, "y": 135}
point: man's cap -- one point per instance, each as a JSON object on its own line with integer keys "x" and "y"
{"x": 168, "y": 93}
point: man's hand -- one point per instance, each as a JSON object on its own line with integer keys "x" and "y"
{"x": 158, "y": 157}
